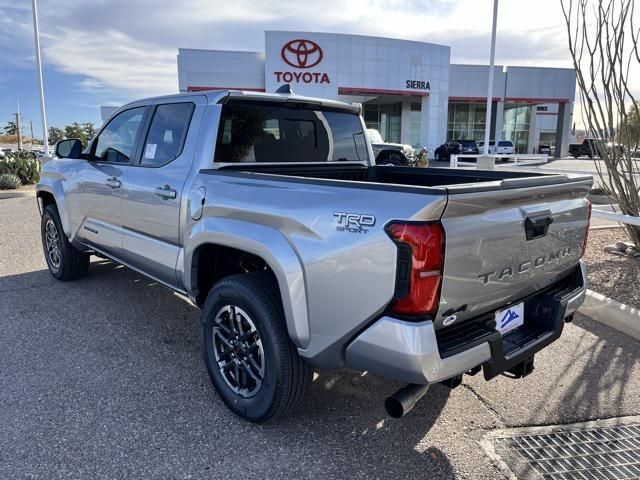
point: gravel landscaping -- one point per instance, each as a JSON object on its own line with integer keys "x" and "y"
{"x": 610, "y": 275}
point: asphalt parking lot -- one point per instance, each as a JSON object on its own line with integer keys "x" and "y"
{"x": 103, "y": 378}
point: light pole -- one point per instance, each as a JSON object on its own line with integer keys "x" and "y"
{"x": 487, "y": 124}
{"x": 43, "y": 115}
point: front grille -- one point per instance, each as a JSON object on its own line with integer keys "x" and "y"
{"x": 607, "y": 450}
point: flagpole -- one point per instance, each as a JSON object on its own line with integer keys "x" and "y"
{"x": 43, "y": 115}
{"x": 487, "y": 125}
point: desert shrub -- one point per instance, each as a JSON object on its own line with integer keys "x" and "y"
{"x": 22, "y": 164}
{"x": 9, "y": 181}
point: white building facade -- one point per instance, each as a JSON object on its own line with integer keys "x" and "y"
{"x": 410, "y": 91}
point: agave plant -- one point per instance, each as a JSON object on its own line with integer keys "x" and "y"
{"x": 9, "y": 181}
{"x": 23, "y": 164}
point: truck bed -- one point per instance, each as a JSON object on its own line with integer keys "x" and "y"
{"x": 493, "y": 256}
{"x": 464, "y": 180}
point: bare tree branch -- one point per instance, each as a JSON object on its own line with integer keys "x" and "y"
{"x": 603, "y": 38}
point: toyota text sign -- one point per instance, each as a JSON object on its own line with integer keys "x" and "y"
{"x": 301, "y": 54}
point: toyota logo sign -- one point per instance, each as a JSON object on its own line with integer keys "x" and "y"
{"x": 301, "y": 53}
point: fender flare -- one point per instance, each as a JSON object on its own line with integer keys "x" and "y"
{"x": 270, "y": 245}
{"x": 55, "y": 188}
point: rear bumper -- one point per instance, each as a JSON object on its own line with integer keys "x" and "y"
{"x": 410, "y": 351}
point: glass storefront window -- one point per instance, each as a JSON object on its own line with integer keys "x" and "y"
{"x": 384, "y": 118}
{"x": 516, "y": 126}
{"x": 466, "y": 121}
{"x": 416, "y": 122}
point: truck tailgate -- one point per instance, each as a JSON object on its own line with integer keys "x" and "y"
{"x": 509, "y": 239}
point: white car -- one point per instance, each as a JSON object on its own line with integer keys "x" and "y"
{"x": 492, "y": 147}
{"x": 505, "y": 147}
{"x": 501, "y": 147}
{"x": 387, "y": 153}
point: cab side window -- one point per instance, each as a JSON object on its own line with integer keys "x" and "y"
{"x": 167, "y": 133}
{"x": 116, "y": 141}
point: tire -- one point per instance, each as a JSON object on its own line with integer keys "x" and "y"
{"x": 285, "y": 378}
{"x": 397, "y": 159}
{"x": 392, "y": 159}
{"x": 65, "y": 262}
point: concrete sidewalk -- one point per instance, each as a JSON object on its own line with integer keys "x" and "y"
{"x": 103, "y": 378}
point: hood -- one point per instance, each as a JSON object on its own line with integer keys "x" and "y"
{"x": 400, "y": 146}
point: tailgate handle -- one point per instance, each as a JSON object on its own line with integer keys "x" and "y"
{"x": 537, "y": 226}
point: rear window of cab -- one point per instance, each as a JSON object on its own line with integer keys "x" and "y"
{"x": 274, "y": 132}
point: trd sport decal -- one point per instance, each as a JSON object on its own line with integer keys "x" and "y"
{"x": 354, "y": 222}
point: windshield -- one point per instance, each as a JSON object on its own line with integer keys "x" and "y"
{"x": 274, "y": 132}
{"x": 505, "y": 144}
{"x": 467, "y": 143}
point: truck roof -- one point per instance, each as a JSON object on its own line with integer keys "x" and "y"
{"x": 216, "y": 96}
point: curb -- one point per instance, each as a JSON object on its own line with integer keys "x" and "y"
{"x": 612, "y": 313}
{"x": 17, "y": 193}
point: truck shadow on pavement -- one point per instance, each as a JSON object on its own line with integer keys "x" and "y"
{"x": 108, "y": 371}
{"x": 612, "y": 359}
{"x": 595, "y": 377}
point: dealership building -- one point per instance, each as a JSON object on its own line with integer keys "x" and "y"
{"x": 410, "y": 91}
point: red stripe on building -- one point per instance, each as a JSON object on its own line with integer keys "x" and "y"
{"x": 200, "y": 89}
{"x": 509, "y": 99}
{"x": 472, "y": 99}
{"x": 380, "y": 91}
{"x": 537, "y": 100}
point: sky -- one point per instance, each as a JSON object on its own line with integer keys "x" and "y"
{"x": 108, "y": 52}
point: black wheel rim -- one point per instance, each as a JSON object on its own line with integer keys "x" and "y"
{"x": 238, "y": 351}
{"x": 52, "y": 243}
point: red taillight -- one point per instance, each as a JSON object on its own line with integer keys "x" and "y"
{"x": 426, "y": 242}
{"x": 586, "y": 232}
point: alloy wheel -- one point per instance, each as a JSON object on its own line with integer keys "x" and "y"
{"x": 52, "y": 240}
{"x": 238, "y": 350}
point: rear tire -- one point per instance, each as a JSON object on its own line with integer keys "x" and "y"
{"x": 252, "y": 363}
{"x": 65, "y": 262}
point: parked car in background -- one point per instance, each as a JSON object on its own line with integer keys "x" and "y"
{"x": 588, "y": 148}
{"x": 591, "y": 147}
{"x": 501, "y": 147}
{"x": 492, "y": 147}
{"x": 544, "y": 149}
{"x": 468, "y": 146}
{"x": 456, "y": 147}
{"x": 444, "y": 151}
{"x": 386, "y": 153}
{"x": 505, "y": 147}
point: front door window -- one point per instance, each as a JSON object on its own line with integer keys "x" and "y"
{"x": 116, "y": 141}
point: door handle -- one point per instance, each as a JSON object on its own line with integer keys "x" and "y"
{"x": 113, "y": 182}
{"x": 165, "y": 191}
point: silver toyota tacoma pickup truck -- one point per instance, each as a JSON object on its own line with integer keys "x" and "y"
{"x": 267, "y": 211}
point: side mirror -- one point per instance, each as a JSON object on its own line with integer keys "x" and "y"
{"x": 69, "y": 148}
